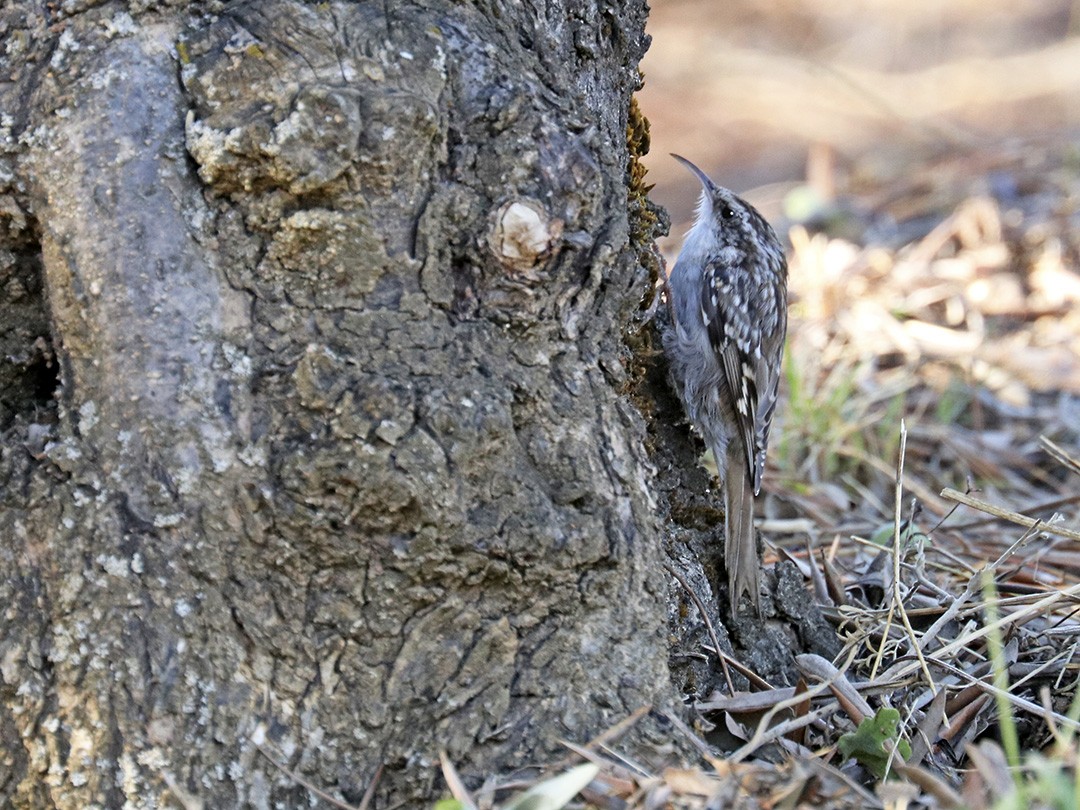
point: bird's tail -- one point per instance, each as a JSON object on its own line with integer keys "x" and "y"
{"x": 740, "y": 545}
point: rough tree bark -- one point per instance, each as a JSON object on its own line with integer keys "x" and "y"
{"x": 316, "y": 426}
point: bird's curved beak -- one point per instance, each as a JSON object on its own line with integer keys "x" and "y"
{"x": 704, "y": 178}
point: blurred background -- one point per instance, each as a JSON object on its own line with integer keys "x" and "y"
{"x": 921, "y": 159}
{"x": 754, "y": 92}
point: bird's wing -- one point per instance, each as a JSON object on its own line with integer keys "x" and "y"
{"x": 773, "y": 314}
{"x": 726, "y": 307}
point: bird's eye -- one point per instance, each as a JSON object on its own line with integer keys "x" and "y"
{"x": 727, "y": 212}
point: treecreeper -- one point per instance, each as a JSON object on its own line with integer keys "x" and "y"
{"x": 728, "y": 296}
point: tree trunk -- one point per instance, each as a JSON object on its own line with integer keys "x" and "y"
{"x": 336, "y": 293}
{"x": 317, "y": 440}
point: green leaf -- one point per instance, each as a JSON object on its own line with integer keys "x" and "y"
{"x": 555, "y": 793}
{"x": 883, "y": 536}
{"x": 867, "y": 744}
{"x": 448, "y": 804}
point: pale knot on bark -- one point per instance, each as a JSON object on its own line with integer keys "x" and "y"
{"x": 522, "y": 234}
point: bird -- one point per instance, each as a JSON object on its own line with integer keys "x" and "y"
{"x": 728, "y": 299}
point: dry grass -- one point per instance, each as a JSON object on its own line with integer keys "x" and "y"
{"x": 970, "y": 332}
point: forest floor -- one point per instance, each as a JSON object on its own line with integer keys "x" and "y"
{"x": 926, "y": 474}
